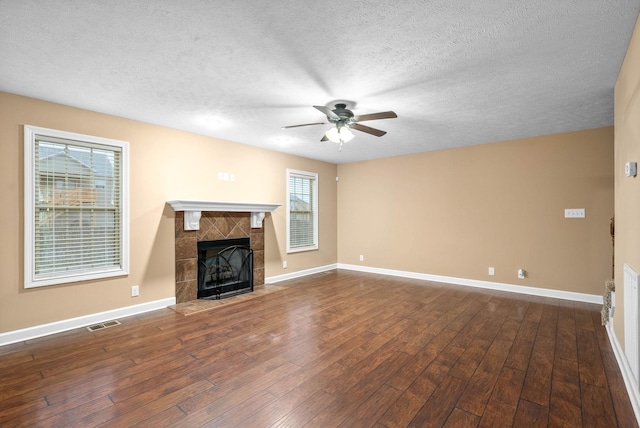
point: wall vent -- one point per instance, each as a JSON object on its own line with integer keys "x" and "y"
{"x": 103, "y": 325}
{"x": 631, "y": 326}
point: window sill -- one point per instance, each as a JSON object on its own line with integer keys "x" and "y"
{"x": 302, "y": 249}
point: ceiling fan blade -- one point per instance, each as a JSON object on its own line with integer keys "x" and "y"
{"x": 376, "y": 116}
{"x": 304, "y": 124}
{"x": 324, "y": 138}
{"x": 328, "y": 112}
{"x": 368, "y": 130}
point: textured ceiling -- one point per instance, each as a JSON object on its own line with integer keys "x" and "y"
{"x": 456, "y": 72}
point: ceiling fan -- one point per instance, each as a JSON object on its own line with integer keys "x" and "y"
{"x": 345, "y": 120}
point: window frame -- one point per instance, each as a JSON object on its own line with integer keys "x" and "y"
{"x": 315, "y": 211}
{"x": 31, "y": 280}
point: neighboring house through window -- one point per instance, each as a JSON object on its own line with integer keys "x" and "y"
{"x": 76, "y": 207}
{"x": 302, "y": 211}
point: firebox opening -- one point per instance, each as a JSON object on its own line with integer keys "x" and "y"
{"x": 225, "y": 268}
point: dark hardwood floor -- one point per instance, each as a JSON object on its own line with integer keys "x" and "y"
{"x": 334, "y": 349}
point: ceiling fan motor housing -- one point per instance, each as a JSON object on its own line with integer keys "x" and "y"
{"x": 342, "y": 112}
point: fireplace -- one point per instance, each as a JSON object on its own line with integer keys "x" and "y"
{"x": 214, "y": 226}
{"x": 198, "y": 221}
{"x": 225, "y": 268}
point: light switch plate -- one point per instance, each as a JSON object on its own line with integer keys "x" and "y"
{"x": 631, "y": 169}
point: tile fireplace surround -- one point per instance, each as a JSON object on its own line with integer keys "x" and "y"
{"x": 213, "y": 226}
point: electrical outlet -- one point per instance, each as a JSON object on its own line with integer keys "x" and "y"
{"x": 492, "y": 271}
{"x": 574, "y": 213}
{"x": 135, "y": 291}
{"x": 522, "y": 273}
{"x": 361, "y": 257}
{"x": 284, "y": 264}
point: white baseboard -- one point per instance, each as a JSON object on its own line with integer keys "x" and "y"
{"x": 534, "y": 291}
{"x": 625, "y": 369}
{"x": 299, "y": 274}
{"x": 83, "y": 321}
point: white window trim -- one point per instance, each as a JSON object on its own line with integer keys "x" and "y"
{"x": 30, "y": 281}
{"x": 313, "y": 176}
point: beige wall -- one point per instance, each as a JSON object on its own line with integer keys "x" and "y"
{"x": 452, "y": 212}
{"x": 627, "y": 149}
{"x": 457, "y": 212}
{"x": 165, "y": 164}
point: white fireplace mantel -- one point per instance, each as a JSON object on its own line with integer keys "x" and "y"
{"x": 193, "y": 211}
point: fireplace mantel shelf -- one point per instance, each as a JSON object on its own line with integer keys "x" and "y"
{"x": 193, "y": 210}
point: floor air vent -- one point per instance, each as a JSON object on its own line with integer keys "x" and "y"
{"x": 103, "y": 325}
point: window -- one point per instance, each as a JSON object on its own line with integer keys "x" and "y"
{"x": 302, "y": 211}
{"x": 76, "y": 207}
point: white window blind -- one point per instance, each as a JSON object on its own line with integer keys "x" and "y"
{"x": 76, "y": 207}
{"x": 302, "y": 211}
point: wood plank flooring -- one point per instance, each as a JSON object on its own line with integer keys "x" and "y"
{"x": 337, "y": 349}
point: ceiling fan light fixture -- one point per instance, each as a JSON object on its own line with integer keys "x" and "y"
{"x": 345, "y": 134}
{"x": 333, "y": 135}
{"x": 339, "y": 135}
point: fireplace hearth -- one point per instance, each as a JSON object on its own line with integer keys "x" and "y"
{"x": 225, "y": 268}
